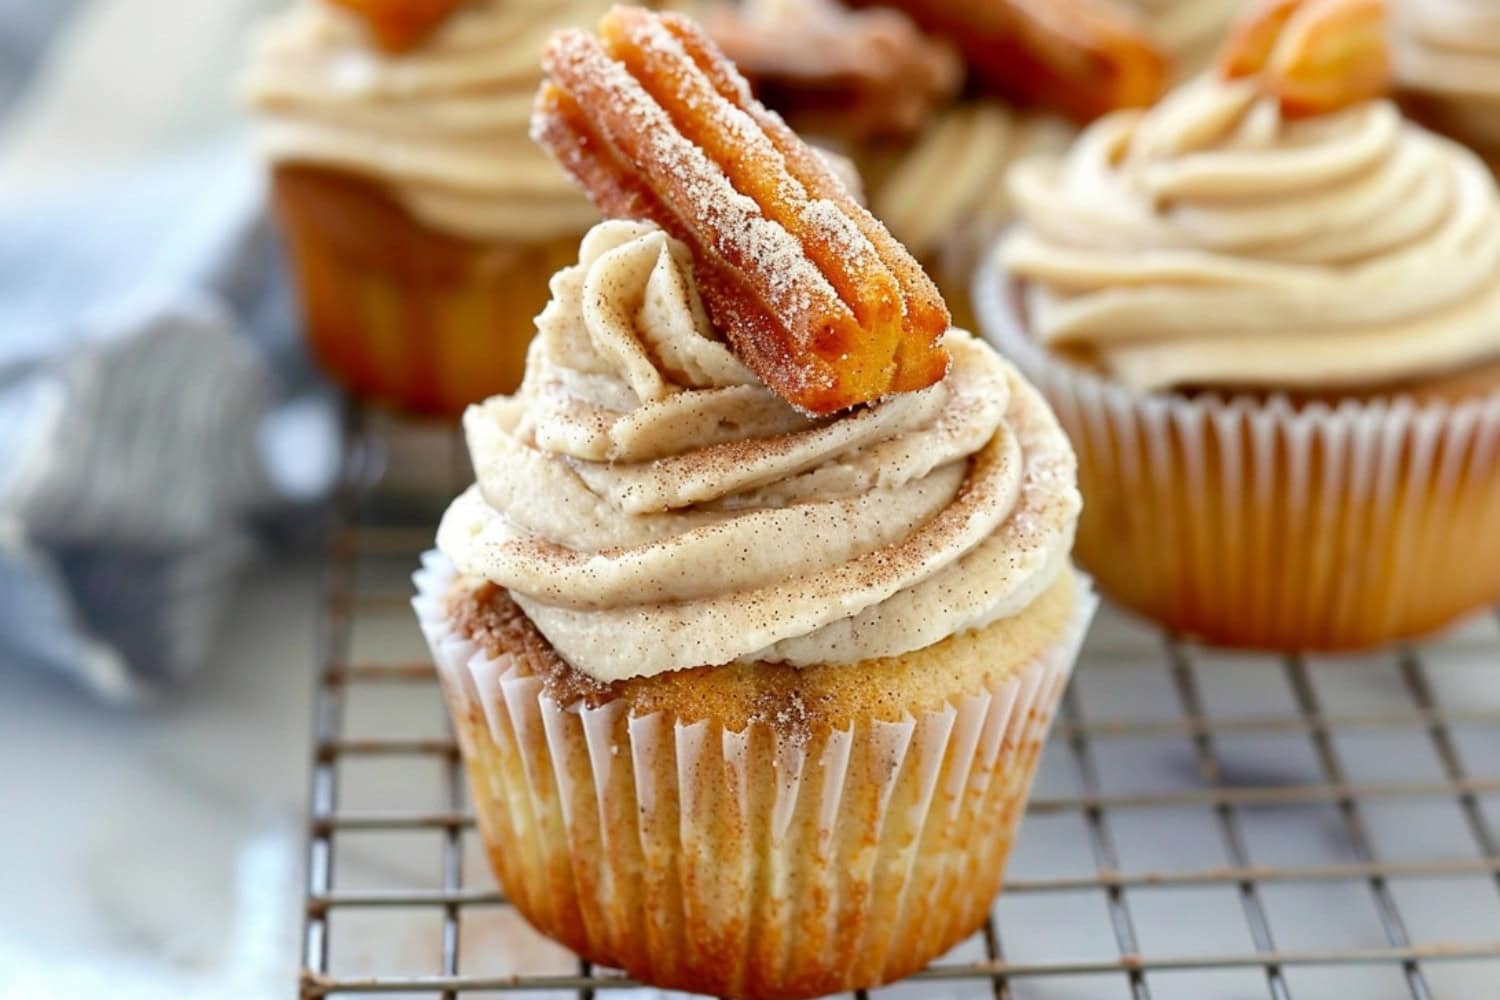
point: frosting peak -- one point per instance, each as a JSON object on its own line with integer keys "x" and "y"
{"x": 643, "y": 319}
{"x": 1210, "y": 241}
{"x": 652, "y": 506}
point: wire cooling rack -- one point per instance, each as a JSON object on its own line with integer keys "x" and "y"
{"x": 1205, "y": 824}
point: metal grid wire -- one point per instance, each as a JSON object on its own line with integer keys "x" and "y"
{"x": 1309, "y": 827}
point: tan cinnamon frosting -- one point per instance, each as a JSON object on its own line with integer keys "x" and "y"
{"x": 1449, "y": 50}
{"x": 652, "y": 506}
{"x": 444, "y": 125}
{"x": 950, "y": 188}
{"x": 1211, "y": 242}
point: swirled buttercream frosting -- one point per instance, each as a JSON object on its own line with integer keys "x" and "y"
{"x": 950, "y": 186}
{"x": 443, "y": 126}
{"x": 1212, "y": 242}
{"x": 652, "y": 506}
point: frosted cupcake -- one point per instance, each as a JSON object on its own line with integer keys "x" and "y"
{"x": 421, "y": 222}
{"x": 1269, "y": 317}
{"x": 751, "y": 703}
{"x": 1448, "y": 66}
{"x": 751, "y": 700}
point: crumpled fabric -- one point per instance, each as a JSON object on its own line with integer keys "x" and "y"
{"x": 156, "y": 410}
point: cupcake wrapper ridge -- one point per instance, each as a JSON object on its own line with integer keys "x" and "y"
{"x": 745, "y": 864}
{"x": 1266, "y": 524}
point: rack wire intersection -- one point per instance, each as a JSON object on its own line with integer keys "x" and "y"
{"x": 1205, "y": 824}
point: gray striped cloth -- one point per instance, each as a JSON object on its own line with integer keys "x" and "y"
{"x": 154, "y": 400}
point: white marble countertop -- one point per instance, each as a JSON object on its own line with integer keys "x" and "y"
{"x": 156, "y": 852}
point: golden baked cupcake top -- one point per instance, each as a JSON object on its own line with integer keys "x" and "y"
{"x": 1276, "y": 224}
{"x": 442, "y": 122}
{"x": 650, "y": 499}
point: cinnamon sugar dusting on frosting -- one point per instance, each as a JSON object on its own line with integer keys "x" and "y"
{"x": 790, "y": 704}
{"x": 651, "y": 507}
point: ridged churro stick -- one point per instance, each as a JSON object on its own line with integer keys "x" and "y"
{"x": 1313, "y": 56}
{"x": 809, "y": 288}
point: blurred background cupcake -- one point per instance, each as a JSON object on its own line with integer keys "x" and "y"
{"x": 1190, "y": 30}
{"x": 862, "y": 83}
{"x": 1030, "y": 79}
{"x": 946, "y": 197}
{"x": 935, "y": 99}
{"x": 422, "y": 224}
{"x": 1448, "y": 66}
{"x": 1268, "y": 312}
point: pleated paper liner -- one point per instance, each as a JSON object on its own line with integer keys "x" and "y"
{"x": 1267, "y": 524}
{"x": 746, "y": 863}
{"x": 400, "y": 314}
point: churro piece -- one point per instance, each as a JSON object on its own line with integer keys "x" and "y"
{"x": 1313, "y": 56}
{"x": 1251, "y": 40}
{"x": 1080, "y": 57}
{"x": 399, "y": 25}
{"x": 830, "y": 70}
{"x": 1333, "y": 54}
{"x": 811, "y": 291}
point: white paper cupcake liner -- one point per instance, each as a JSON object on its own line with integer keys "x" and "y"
{"x": 1266, "y": 524}
{"x": 745, "y": 863}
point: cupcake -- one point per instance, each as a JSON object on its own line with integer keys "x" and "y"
{"x": 1448, "y": 66}
{"x": 750, "y": 693}
{"x": 1268, "y": 315}
{"x": 420, "y": 221}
